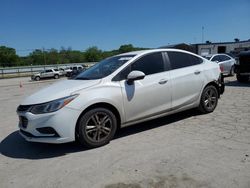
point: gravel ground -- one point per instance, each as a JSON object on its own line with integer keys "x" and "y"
{"x": 182, "y": 150}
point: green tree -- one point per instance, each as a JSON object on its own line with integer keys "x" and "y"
{"x": 126, "y": 48}
{"x": 8, "y": 57}
{"x": 93, "y": 54}
{"x": 38, "y": 57}
{"x": 52, "y": 56}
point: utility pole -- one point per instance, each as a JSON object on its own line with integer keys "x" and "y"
{"x": 202, "y": 34}
{"x": 44, "y": 58}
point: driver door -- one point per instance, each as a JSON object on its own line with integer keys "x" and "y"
{"x": 149, "y": 96}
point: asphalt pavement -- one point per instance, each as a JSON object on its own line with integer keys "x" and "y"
{"x": 182, "y": 150}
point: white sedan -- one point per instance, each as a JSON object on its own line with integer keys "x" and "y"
{"x": 120, "y": 91}
{"x": 225, "y": 61}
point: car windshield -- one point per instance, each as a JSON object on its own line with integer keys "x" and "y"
{"x": 104, "y": 68}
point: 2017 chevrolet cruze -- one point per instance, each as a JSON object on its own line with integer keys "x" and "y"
{"x": 119, "y": 91}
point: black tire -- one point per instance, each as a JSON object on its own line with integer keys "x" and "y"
{"x": 209, "y": 99}
{"x": 241, "y": 78}
{"x": 97, "y": 127}
{"x": 37, "y": 78}
{"x": 56, "y": 76}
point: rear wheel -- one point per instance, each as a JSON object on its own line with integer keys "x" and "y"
{"x": 231, "y": 71}
{"x": 241, "y": 78}
{"x": 209, "y": 99}
{"x": 97, "y": 127}
{"x": 56, "y": 76}
{"x": 37, "y": 78}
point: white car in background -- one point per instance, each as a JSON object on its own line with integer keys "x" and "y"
{"x": 73, "y": 70}
{"x": 225, "y": 61}
{"x": 117, "y": 92}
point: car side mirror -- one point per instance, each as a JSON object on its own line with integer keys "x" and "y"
{"x": 134, "y": 75}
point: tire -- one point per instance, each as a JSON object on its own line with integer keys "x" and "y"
{"x": 37, "y": 78}
{"x": 209, "y": 99}
{"x": 97, "y": 127}
{"x": 56, "y": 76}
{"x": 231, "y": 71}
{"x": 241, "y": 78}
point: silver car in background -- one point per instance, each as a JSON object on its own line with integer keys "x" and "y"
{"x": 225, "y": 62}
{"x": 49, "y": 73}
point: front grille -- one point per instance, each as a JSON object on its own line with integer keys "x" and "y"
{"x": 23, "y": 108}
{"x": 23, "y": 122}
{"x": 48, "y": 130}
{"x": 25, "y": 133}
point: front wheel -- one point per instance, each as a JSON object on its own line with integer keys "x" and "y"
{"x": 209, "y": 99}
{"x": 56, "y": 76}
{"x": 97, "y": 127}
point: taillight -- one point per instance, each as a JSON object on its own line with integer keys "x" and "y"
{"x": 221, "y": 68}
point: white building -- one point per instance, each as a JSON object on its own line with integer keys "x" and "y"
{"x": 222, "y": 47}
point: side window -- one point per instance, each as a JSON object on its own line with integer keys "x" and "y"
{"x": 181, "y": 60}
{"x": 194, "y": 60}
{"x": 216, "y": 58}
{"x": 149, "y": 64}
{"x": 224, "y": 58}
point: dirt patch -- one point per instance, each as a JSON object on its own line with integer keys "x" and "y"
{"x": 170, "y": 181}
{"x": 123, "y": 185}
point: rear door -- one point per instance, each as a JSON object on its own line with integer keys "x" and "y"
{"x": 220, "y": 60}
{"x": 151, "y": 95}
{"x": 227, "y": 63}
{"x": 49, "y": 73}
{"x": 186, "y": 78}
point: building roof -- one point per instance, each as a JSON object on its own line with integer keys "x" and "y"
{"x": 216, "y": 43}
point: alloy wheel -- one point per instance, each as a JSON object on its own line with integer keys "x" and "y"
{"x": 98, "y": 127}
{"x": 210, "y": 99}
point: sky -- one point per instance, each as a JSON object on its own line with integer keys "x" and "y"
{"x": 35, "y": 24}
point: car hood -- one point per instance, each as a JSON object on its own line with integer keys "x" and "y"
{"x": 59, "y": 90}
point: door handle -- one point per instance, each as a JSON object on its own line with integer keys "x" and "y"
{"x": 163, "y": 81}
{"x": 197, "y": 72}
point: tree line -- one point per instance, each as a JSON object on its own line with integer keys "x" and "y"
{"x": 9, "y": 58}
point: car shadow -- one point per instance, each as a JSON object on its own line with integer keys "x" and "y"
{"x": 235, "y": 83}
{"x": 14, "y": 146}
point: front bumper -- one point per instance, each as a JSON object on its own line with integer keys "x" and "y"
{"x": 56, "y": 127}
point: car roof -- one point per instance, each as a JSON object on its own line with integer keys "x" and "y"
{"x": 210, "y": 55}
{"x": 135, "y": 53}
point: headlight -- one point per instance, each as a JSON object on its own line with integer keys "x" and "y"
{"x": 52, "y": 106}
